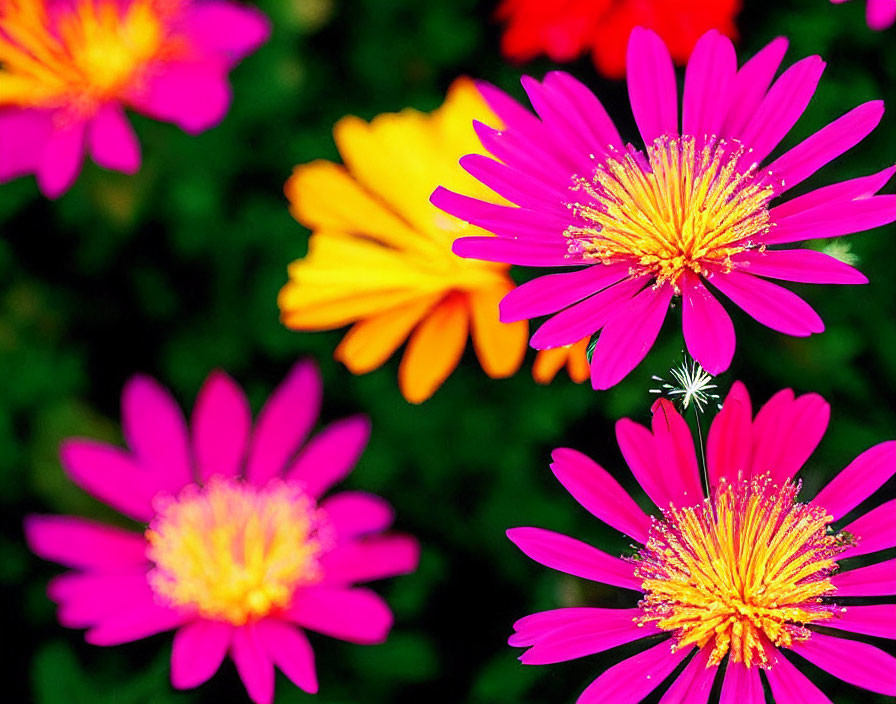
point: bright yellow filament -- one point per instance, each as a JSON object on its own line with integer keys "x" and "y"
{"x": 91, "y": 52}
{"x": 235, "y": 552}
{"x": 683, "y": 207}
{"x": 748, "y": 568}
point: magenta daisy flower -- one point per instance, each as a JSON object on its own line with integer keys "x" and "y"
{"x": 693, "y": 207}
{"x": 239, "y": 554}
{"x": 749, "y": 576}
{"x": 880, "y": 14}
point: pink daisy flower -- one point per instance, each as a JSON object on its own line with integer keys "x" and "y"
{"x": 69, "y": 68}
{"x": 745, "y": 576}
{"x": 880, "y": 14}
{"x": 694, "y": 207}
{"x": 240, "y": 554}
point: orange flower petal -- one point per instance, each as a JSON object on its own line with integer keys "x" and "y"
{"x": 434, "y": 349}
{"x": 499, "y": 346}
{"x": 577, "y": 362}
{"x": 548, "y": 363}
{"x": 372, "y": 341}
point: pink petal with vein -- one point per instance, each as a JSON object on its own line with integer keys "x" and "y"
{"x": 861, "y": 478}
{"x": 786, "y": 432}
{"x": 595, "y": 489}
{"x": 595, "y": 121}
{"x": 750, "y": 86}
{"x": 694, "y": 683}
{"x": 253, "y": 664}
{"x": 873, "y": 580}
{"x": 859, "y": 664}
{"x": 876, "y": 530}
{"x": 639, "y": 451}
{"x": 629, "y": 681}
{"x": 741, "y": 685}
{"x": 560, "y": 552}
{"x": 355, "y": 615}
{"x": 530, "y": 629}
{"x": 833, "y": 219}
{"x": 652, "y": 88}
{"x": 197, "y": 652}
{"x": 790, "y": 686}
{"x": 803, "y": 265}
{"x": 708, "y": 330}
{"x": 729, "y": 445}
{"x": 675, "y": 445}
{"x": 852, "y": 189}
{"x": 878, "y": 620}
{"x": 289, "y": 649}
{"x": 708, "y": 82}
{"x": 519, "y": 252}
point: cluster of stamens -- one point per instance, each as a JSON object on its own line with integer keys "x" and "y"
{"x": 749, "y": 567}
{"x": 235, "y": 552}
{"x": 689, "y": 204}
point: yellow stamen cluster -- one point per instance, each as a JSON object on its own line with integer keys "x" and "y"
{"x": 687, "y": 205}
{"x": 235, "y": 552}
{"x": 749, "y": 567}
{"x": 80, "y": 55}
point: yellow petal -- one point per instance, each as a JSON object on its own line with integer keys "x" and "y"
{"x": 434, "y": 349}
{"x": 499, "y": 346}
{"x": 372, "y": 341}
{"x": 335, "y": 313}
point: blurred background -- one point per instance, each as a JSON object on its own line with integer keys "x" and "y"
{"x": 175, "y": 271}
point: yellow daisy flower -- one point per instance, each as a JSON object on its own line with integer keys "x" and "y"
{"x": 379, "y": 257}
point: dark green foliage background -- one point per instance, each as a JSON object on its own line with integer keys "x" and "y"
{"x": 174, "y": 272}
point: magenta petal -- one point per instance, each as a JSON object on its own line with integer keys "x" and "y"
{"x": 516, "y": 186}
{"x": 510, "y": 251}
{"x": 289, "y": 649}
{"x": 708, "y": 330}
{"x": 675, "y": 445}
{"x": 629, "y": 681}
{"x": 639, "y": 450}
{"x": 354, "y": 513}
{"x": 560, "y": 552}
{"x": 284, "y": 422}
{"x": 87, "y": 598}
{"x": 194, "y": 96}
{"x": 750, "y": 86}
{"x": 790, "y": 686}
{"x": 596, "y": 122}
{"x": 694, "y": 684}
{"x": 600, "y": 630}
{"x": 530, "y": 629}
{"x": 112, "y": 141}
{"x": 355, "y": 615}
{"x": 851, "y": 189}
{"x": 78, "y": 542}
{"x": 880, "y": 14}
{"x": 197, "y": 652}
{"x": 878, "y": 620}
{"x": 708, "y": 81}
{"x": 729, "y": 444}
{"x": 804, "y": 265}
{"x": 587, "y": 317}
{"x": 769, "y": 304}
{"x": 651, "y": 85}
{"x": 368, "y": 559}
{"x": 331, "y": 454}
{"x": 548, "y": 294}
{"x": 782, "y": 107}
{"x": 23, "y": 134}
{"x": 833, "y": 219}
{"x": 511, "y": 112}
{"x": 859, "y": 664}
{"x": 628, "y": 336}
{"x": 876, "y": 530}
{"x": 595, "y": 489}
{"x": 111, "y": 475}
{"x": 61, "y": 159}
{"x": 741, "y": 685}
{"x": 138, "y": 621}
{"x": 253, "y": 664}
{"x": 227, "y": 29}
{"x": 861, "y": 478}
{"x": 786, "y": 432}
{"x": 220, "y": 424}
{"x": 796, "y": 165}
{"x": 156, "y": 432}
{"x": 873, "y": 580}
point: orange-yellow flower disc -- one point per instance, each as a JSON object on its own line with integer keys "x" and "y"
{"x": 380, "y": 257}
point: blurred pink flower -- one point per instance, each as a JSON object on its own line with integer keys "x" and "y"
{"x": 880, "y": 14}
{"x": 69, "y": 68}
{"x": 650, "y": 224}
{"x": 240, "y": 553}
{"x": 744, "y": 575}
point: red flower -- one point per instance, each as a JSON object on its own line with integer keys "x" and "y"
{"x": 565, "y": 29}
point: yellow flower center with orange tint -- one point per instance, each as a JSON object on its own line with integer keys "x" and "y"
{"x": 235, "y": 552}
{"x": 92, "y": 51}
{"x": 749, "y": 567}
{"x": 684, "y": 206}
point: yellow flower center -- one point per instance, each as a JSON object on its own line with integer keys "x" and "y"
{"x": 749, "y": 567}
{"x": 235, "y": 552}
{"x": 89, "y": 52}
{"x": 686, "y": 205}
